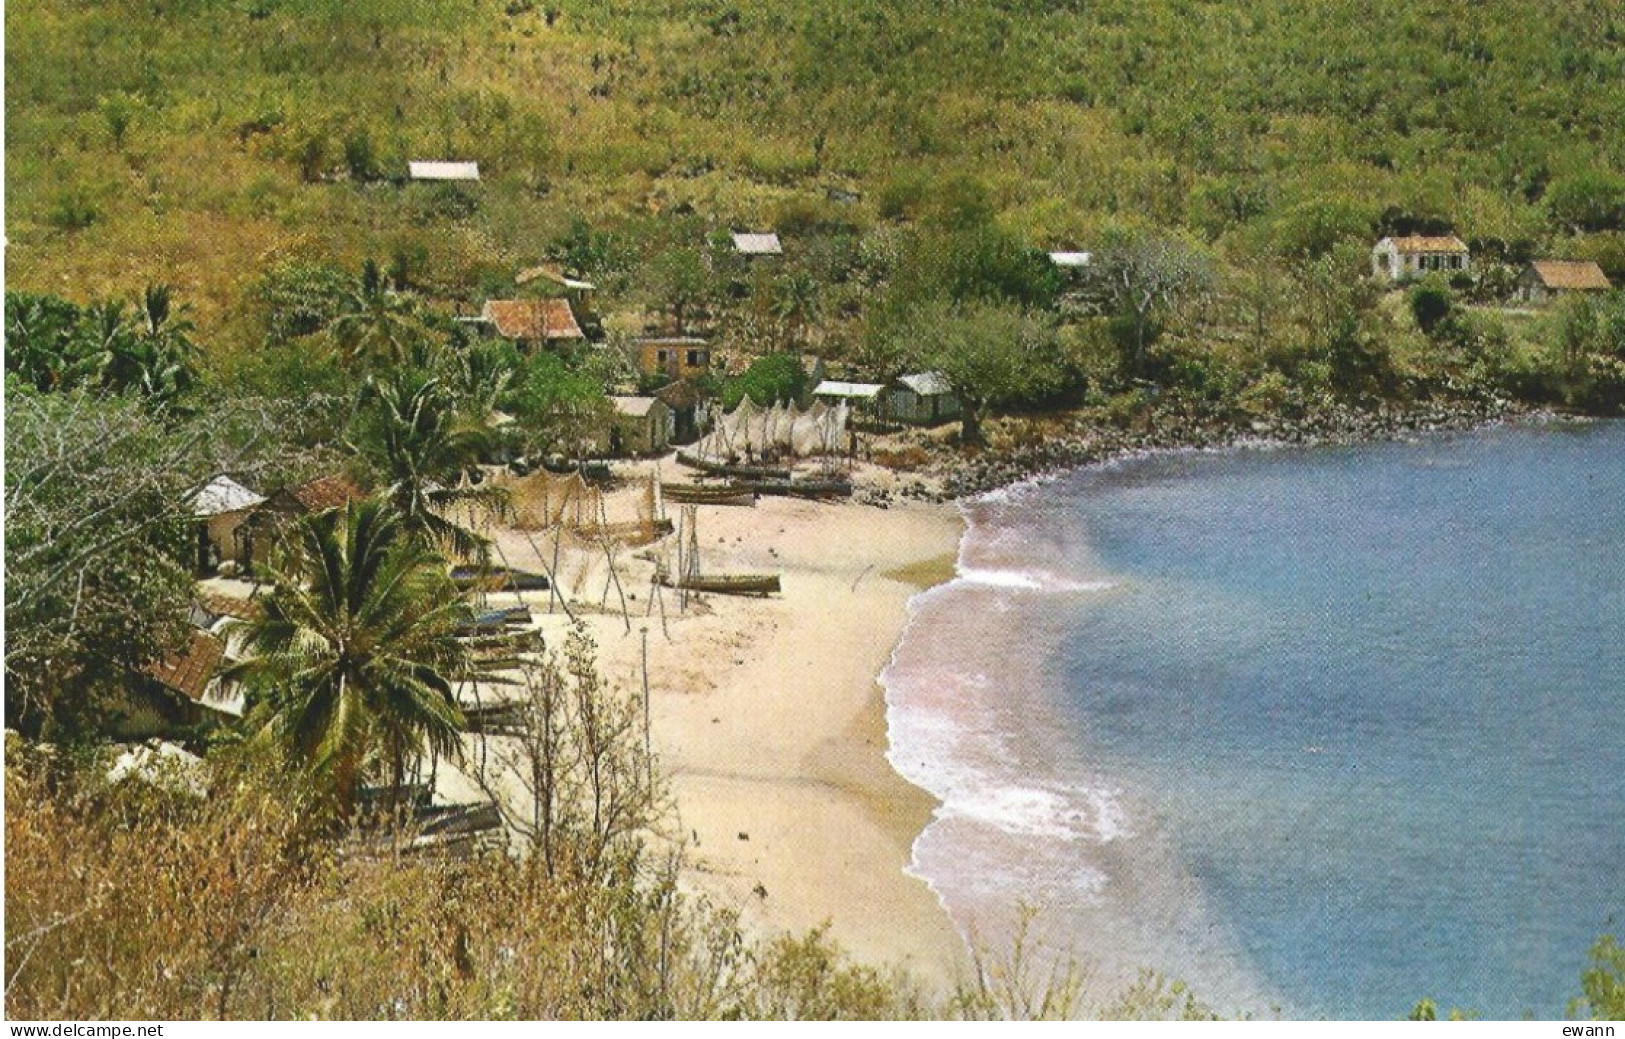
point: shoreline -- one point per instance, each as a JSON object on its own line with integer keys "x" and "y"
{"x": 771, "y": 725}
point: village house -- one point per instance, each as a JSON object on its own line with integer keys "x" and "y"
{"x": 581, "y": 294}
{"x": 220, "y": 509}
{"x": 924, "y": 399}
{"x": 179, "y": 692}
{"x": 442, "y": 171}
{"x": 750, "y": 244}
{"x": 265, "y": 524}
{"x": 638, "y": 426}
{"x": 687, "y": 410}
{"x": 531, "y": 323}
{"x": 1544, "y": 280}
{"x": 677, "y": 357}
{"x": 1411, "y": 256}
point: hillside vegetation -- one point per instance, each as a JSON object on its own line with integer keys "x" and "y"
{"x": 197, "y": 143}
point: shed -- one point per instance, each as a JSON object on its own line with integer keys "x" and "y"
{"x": 219, "y": 508}
{"x": 555, "y": 275}
{"x": 752, "y": 244}
{"x": 687, "y": 410}
{"x": 1069, "y": 259}
{"x": 677, "y": 357}
{"x": 1410, "y": 256}
{"x": 440, "y": 170}
{"x": 860, "y": 392}
{"x": 1543, "y": 280}
{"x": 264, "y": 525}
{"x": 639, "y": 426}
{"x": 532, "y": 321}
{"x": 925, "y": 399}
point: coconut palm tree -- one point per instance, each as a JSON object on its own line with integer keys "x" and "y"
{"x": 409, "y": 430}
{"x": 355, "y": 651}
{"x": 377, "y": 322}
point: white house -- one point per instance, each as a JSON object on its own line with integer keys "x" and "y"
{"x": 922, "y": 399}
{"x": 1411, "y": 256}
{"x": 220, "y": 507}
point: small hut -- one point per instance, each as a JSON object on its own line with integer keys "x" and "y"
{"x": 220, "y": 509}
{"x": 181, "y": 691}
{"x": 531, "y": 323}
{"x": 753, "y": 244}
{"x": 1544, "y": 280}
{"x": 639, "y": 426}
{"x": 1411, "y": 256}
{"x": 434, "y": 170}
{"x": 924, "y": 399}
{"x": 685, "y": 402}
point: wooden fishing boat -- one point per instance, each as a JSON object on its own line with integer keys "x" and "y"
{"x": 497, "y": 579}
{"x": 725, "y": 584}
{"x": 694, "y": 494}
{"x": 748, "y": 472}
{"x": 803, "y": 488}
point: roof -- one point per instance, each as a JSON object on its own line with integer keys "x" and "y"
{"x": 443, "y": 170}
{"x": 532, "y": 318}
{"x": 678, "y": 395}
{"x": 927, "y": 384}
{"x": 326, "y": 492}
{"x": 1428, "y": 244}
{"x": 633, "y": 407}
{"x": 554, "y": 275}
{"x": 1570, "y": 274}
{"x": 228, "y": 605}
{"x": 188, "y": 671}
{"x": 671, "y": 341}
{"x": 757, "y": 244}
{"x": 861, "y": 390}
{"x": 1066, "y": 259}
{"x": 222, "y": 495}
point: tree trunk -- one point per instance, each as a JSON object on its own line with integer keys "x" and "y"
{"x": 970, "y": 421}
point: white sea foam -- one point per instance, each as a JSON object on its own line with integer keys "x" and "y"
{"x": 1029, "y": 580}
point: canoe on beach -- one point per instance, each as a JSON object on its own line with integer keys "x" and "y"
{"x": 725, "y": 584}
{"x": 749, "y": 472}
{"x": 694, "y": 494}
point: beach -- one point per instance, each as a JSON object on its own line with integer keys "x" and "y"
{"x": 769, "y": 723}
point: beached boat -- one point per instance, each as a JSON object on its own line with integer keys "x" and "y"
{"x": 497, "y": 579}
{"x": 748, "y": 472}
{"x": 803, "y": 488}
{"x": 725, "y": 584}
{"x": 694, "y": 494}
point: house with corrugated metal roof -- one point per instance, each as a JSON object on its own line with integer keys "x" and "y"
{"x": 748, "y": 243}
{"x": 1544, "y": 280}
{"x": 220, "y": 508}
{"x": 1411, "y": 256}
{"x": 922, "y": 399}
{"x": 434, "y": 170}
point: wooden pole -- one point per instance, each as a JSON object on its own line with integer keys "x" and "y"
{"x": 648, "y": 738}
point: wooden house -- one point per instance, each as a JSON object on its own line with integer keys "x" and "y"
{"x": 179, "y": 692}
{"x": 924, "y": 399}
{"x": 264, "y": 526}
{"x": 580, "y": 293}
{"x": 1411, "y": 256}
{"x": 1544, "y": 280}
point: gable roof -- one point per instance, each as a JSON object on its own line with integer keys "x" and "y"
{"x": 434, "y": 170}
{"x": 678, "y": 395}
{"x": 1428, "y": 244}
{"x": 859, "y": 390}
{"x": 325, "y": 492}
{"x": 927, "y": 384}
{"x": 552, "y": 274}
{"x": 189, "y": 670}
{"x": 757, "y": 244}
{"x": 1570, "y": 274}
{"x": 633, "y": 407}
{"x": 539, "y": 319}
{"x": 222, "y": 495}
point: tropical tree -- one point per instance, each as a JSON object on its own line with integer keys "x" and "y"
{"x": 376, "y": 322}
{"x": 43, "y": 345}
{"x": 355, "y": 651}
{"x": 408, "y": 429}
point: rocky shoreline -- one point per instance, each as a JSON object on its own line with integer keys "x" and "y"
{"x": 1077, "y": 441}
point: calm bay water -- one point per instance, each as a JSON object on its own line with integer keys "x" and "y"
{"x": 1328, "y": 729}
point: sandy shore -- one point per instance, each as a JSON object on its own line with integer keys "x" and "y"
{"x": 769, "y": 722}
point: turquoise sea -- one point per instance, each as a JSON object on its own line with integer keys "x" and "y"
{"x": 1322, "y": 731}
